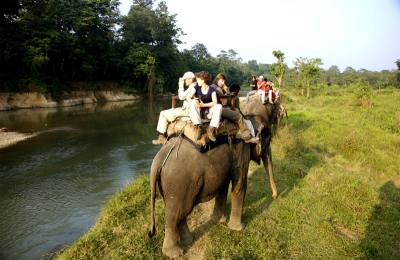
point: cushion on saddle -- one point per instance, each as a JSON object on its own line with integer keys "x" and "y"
{"x": 226, "y": 128}
{"x": 226, "y": 131}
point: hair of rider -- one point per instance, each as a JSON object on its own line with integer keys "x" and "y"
{"x": 205, "y": 76}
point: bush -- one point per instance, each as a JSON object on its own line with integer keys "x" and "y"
{"x": 364, "y": 94}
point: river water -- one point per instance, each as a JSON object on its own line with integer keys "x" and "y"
{"x": 53, "y": 186}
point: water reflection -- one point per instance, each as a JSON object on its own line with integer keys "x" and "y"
{"x": 53, "y": 186}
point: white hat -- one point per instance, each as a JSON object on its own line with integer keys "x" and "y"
{"x": 261, "y": 77}
{"x": 188, "y": 75}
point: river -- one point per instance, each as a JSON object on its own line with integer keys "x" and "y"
{"x": 53, "y": 186}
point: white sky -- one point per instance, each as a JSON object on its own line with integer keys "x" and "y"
{"x": 357, "y": 33}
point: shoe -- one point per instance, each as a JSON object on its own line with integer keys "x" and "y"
{"x": 161, "y": 140}
{"x": 197, "y": 132}
{"x": 253, "y": 140}
{"x": 210, "y": 133}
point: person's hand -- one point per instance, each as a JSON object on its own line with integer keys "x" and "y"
{"x": 200, "y": 104}
{"x": 224, "y": 101}
{"x": 181, "y": 82}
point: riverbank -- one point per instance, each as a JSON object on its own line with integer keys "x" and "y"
{"x": 11, "y": 101}
{"x": 30, "y": 100}
{"x": 12, "y": 138}
{"x": 337, "y": 172}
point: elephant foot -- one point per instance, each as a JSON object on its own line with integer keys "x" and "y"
{"x": 237, "y": 226}
{"x": 186, "y": 238}
{"x": 173, "y": 252}
{"x": 222, "y": 219}
{"x": 185, "y": 234}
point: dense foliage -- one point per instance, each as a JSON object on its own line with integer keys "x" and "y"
{"x": 51, "y": 45}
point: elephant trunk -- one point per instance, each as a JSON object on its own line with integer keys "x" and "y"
{"x": 154, "y": 175}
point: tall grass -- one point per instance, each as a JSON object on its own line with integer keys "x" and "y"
{"x": 337, "y": 170}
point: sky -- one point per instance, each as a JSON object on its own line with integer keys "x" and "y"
{"x": 362, "y": 34}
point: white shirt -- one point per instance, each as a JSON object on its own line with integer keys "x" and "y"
{"x": 186, "y": 95}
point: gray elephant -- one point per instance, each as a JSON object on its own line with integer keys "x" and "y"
{"x": 186, "y": 177}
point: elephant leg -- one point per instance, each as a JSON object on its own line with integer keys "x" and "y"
{"x": 170, "y": 246}
{"x": 220, "y": 204}
{"x": 238, "y": 193}
{"x": 185, "y": 234}
{"x": 267, "y": 161}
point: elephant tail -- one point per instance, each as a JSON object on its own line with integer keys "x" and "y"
{"x": 154, "y": 175}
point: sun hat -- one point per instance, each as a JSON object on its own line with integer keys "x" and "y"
{"x": 188, "y": 75}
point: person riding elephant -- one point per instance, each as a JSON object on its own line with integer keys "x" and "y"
{"x": 187, "y": 177}
{"x": 231, "y": 111}
{"x": 188, "y": 109}
{"x": 207, "y": 105}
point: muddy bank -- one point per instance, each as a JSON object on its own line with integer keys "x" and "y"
{"x": 11, "y": 138}
{"x": 10, "y": 101}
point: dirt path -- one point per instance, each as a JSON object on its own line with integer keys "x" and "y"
{"x": 199, "y": 223}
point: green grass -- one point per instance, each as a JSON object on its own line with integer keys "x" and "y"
{"x": 337, "y": 169}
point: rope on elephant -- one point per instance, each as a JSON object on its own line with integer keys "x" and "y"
{"x": 166, "y": 157}
{"x": 179, "y": 138}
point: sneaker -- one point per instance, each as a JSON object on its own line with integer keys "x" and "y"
{"x": 161, "y": 140}
{"x": 210, "y": 133}
{"x": 253, "y": 140}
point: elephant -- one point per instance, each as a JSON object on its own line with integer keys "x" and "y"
{"x": 186, "y": 177}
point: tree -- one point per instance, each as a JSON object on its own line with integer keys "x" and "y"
{"x": 332, "y": 75}
{"x": 230, "y": 64}
{"x": 151, "y": 34}
{"x": 398, "y": 71}
{"x": 349, "y": 76}
{"x": 308, "y": 70}
{"x": 9, "y": 10}
{"x": 253, "y": 66}
{"x": 200, "y": 52}
{"x": 57, "y": 41}
{"x": 278, "y": 69}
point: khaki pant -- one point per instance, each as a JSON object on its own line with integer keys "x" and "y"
{"x": 170, "y": 115}
{"x": 215, "y": 115}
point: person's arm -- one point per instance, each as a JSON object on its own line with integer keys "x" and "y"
{"x": 270, "y": 96}
{"x": 189, "y": 93}
{"x": 181, "y": 90}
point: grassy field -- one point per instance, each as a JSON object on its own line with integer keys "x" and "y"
{"x": 337, "y": 169}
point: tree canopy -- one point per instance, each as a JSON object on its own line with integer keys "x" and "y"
{"x": 49, "y": 45}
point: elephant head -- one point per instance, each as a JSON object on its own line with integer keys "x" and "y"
{"x": 262, "y": 117}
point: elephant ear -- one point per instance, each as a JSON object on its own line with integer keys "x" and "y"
{"x": 257, "y": 150}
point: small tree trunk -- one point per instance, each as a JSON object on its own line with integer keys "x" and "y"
{"x": 280, "y": 81}
{"x": 302, "y": 91}
{"x": 308, "y": 91}
{"x": 151, "y": 80}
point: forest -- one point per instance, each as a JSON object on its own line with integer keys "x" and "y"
{"x": 51, "y": 46}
